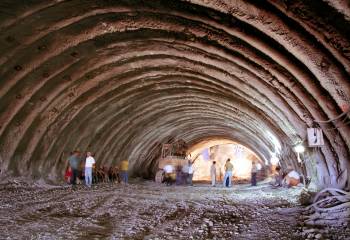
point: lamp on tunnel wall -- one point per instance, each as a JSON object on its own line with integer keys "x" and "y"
{"x": 274, "y": 159}
{"x": 299, "y": 149}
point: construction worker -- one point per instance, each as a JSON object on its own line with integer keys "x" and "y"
{"x": 124, "y": 166}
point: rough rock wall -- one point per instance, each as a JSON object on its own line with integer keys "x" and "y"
{"x": 119, "y": 77}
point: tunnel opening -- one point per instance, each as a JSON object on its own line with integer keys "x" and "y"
{"x": 203, "y": 155}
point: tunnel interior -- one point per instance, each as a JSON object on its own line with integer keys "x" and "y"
{"x": 120, "y": 78}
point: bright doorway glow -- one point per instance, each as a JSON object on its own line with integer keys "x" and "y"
{"x": 241, "y": 157}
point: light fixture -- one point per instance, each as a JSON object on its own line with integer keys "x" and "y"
{"x": 274, "y": 159}
{"x": 299, "y": 148}
{"x": 258, "y": 166}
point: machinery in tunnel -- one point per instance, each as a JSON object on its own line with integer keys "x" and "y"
{"x": 175, "y": 155}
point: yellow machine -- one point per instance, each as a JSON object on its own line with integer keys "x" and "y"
{"x": 174, "y": 155}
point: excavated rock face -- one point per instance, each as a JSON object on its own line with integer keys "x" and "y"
{"x": 120, "y": 77}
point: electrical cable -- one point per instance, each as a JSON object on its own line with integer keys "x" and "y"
{"x": 345, "y": 124}
{"x": 334, "y": 119}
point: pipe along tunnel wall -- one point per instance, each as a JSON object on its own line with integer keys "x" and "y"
{"x": 119, "y": 78}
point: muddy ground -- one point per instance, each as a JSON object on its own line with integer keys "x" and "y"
{"x": 146, "y": 210}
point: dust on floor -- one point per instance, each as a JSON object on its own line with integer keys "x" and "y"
{"x": 146, "y": 210}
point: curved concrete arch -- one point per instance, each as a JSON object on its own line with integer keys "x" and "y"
{"x": 33, "y": 137}
{"x": 256, "y": 71}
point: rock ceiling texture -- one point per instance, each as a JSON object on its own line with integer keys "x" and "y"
{"x": 119, "y": 77}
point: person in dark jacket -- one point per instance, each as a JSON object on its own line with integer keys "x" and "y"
{"x": 74, "y": 162}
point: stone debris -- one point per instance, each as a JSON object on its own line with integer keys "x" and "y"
{"x": 145, "y": 210}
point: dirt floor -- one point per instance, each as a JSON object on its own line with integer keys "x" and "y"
{"x": 146, "y": 210}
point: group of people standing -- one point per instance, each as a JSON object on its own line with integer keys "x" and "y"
{"x": 184, "y": 175}
{"x": 181, "y": 175}
{"x": 227, "y": 182}
{"x": 228, "y": 174}
{"x": 75, "y": 161}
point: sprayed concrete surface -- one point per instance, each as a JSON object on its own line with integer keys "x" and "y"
{"x": 145, "y": 210}
{"x": 121, "y": 77}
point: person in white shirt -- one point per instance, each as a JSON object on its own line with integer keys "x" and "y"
{"x": 292, "y": 179}
{"x": 185, "y": 173}
{"x": 294, "y": 174}
{"x": 213, "y": 174}
{"x": 90, "y": 161}
{"x": 190, "y": 172}
{"x": 168, "y": 169}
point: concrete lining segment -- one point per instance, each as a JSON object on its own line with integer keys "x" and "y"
{"x": 59, "y": 107}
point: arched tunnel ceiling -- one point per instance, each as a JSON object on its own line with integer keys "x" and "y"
{"x": 120, "y": 77}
